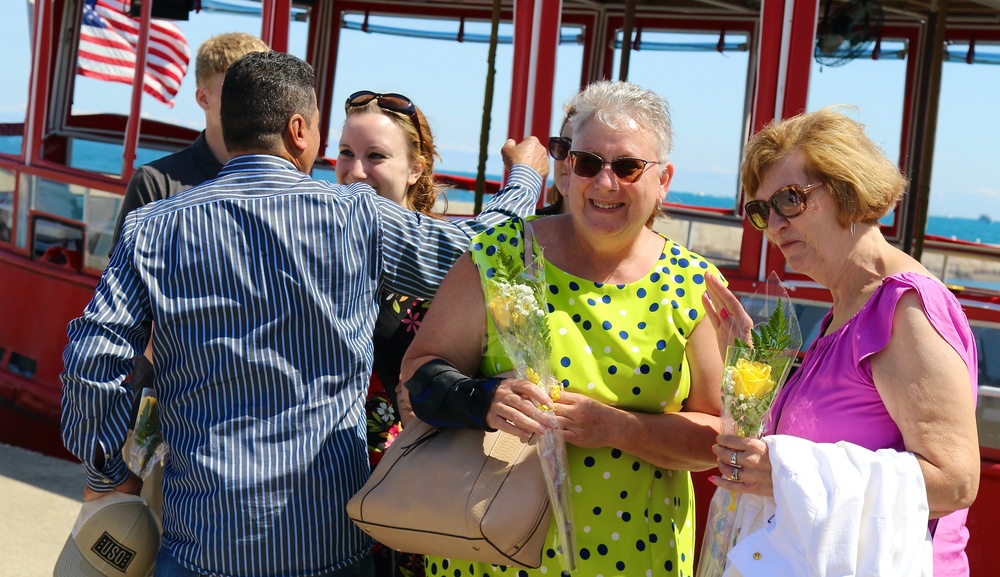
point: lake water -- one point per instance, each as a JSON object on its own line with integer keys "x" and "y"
{"x": 105, "y": 158}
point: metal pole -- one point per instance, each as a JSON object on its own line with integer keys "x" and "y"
{"x": 626, "y": 39}
{"x": 484, "y": 131}
{"x": 926, "y": 131}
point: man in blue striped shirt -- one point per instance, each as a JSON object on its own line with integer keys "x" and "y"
{"x": 263, "y": 285}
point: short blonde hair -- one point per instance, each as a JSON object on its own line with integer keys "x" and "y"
{"x": 218, "y": 53}
{"x": 865, "y": 184}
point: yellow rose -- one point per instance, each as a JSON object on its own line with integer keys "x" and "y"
{"x": 501, "y": 316}
{"x": 752, "y": 378}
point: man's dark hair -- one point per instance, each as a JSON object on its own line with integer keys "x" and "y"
{"x": 261, "y": 92}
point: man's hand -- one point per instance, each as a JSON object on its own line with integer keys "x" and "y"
{"x": 529, "y": 151}
{"x": 132, "y": 486}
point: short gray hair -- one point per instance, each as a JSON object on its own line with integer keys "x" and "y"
{"x": 619, "y": 104}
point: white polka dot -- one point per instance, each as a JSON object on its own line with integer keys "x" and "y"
{"x": 665, "y": 301}
{"x": 586, "y": 529}
{"x": 614, "y": 536}
{"x": 578, "y": 489}
{"x": 590, "y": 386}
{"x": 607, "y": 349}
{"x": 588, "y": 350}
{"x": 543, "y": 569}
{"x": 572, "y": 301}
{"x": 619, "y": 513}
{"x": 635, "y": 349}
{"x": 623, "y": 312}
{"x": 649, "y": 573}
{"x": 672, "y": 545}
{"x": 498, "y": 366}
{"x": 562, "y": 331}
{"x": 637, "y": 371}
{"x": 663, "y": 403}
{"x": 607, "y": 475}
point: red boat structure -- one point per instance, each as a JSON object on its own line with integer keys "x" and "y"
{"x": 64, "y": 163}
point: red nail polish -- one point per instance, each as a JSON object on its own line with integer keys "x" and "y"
{"x": 724, "y": 313}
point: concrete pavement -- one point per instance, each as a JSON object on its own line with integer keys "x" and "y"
{"x": 40, "y": 497}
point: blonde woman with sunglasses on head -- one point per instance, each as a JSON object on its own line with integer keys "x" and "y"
{"x": 387, "y": 143}
{"x": 640, "y": 370}
{"x": 872, "y": 457}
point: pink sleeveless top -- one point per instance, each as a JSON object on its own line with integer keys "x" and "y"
{"x": 832, "y": 396}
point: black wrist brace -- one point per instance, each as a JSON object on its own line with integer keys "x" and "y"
{"x": 444, "y": 397}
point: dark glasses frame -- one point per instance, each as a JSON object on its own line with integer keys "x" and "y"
{"x": 559, "y": 147}
{"x": 388, "y": 101}
{"x": 625, "y": 168}
{"x": 788, "y": 201}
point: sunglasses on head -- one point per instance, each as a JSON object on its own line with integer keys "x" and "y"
{"x": 559, "y": 147}
{"x": 789, "y": 202}
{"x": 391, "y": 102}
{"x": 626, "y": 168}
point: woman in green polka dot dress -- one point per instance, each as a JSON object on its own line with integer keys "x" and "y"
{"x": 640, "y": 371}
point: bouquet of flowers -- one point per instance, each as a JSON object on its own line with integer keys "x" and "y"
{"x": 753, "y": 375}
{"x": 516, "y": 301}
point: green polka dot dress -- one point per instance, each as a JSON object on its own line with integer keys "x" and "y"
{"x": 622, "y": 345}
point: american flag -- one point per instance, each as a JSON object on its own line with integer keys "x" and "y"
{"x": 108, "y": 41}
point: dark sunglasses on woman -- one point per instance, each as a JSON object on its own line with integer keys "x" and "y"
{"x": 626, "y": 168}
{"x": 391, "y": 102}
{"x": 559, "y": 147}
{"x": 789, "y": 201}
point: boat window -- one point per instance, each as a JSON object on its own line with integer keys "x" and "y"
{"x": 445, "y": 78}
{"x": 708, "y": 114}
{"x": 7, "y": 190}
{"x": 708, "y": 117}
{"x": 569, "y": 70}
{"x": 90, "y": 133}
{"x": 988, "y": 409}
{"x": 872, "y": 91}
{"x": 59, "y": 213}
{"x": 14, "y": 74}
{"x": 965, "y": 182}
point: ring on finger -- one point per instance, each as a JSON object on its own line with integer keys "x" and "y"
{"x": 732, "y": 460}
{"x": 736, "y": 475}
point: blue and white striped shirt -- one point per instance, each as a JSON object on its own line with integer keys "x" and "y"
{"x": 263, "y": 285}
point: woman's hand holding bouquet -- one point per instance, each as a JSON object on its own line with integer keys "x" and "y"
{"x": 758, "y": 357}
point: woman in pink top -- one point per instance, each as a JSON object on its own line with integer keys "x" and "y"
{"x": 895, "y": 363}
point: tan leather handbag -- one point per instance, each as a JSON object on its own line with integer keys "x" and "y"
{"x": 459, "y": 493}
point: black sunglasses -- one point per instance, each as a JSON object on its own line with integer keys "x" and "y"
{"x": 626, "y": 168}
{"x": 391, "y": 102}
{"x": 559, "y": 147}
{"x": 789, "y": 201}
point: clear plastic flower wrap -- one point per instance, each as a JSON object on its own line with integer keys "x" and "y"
{"x": 754, "y": 373}
{"x": 516, "y": 302}
{"x": 148, "y": 445}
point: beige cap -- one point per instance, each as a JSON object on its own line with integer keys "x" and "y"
{"x": 114, "y": 536}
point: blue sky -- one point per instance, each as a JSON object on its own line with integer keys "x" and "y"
{"x": 705, "y": 90}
